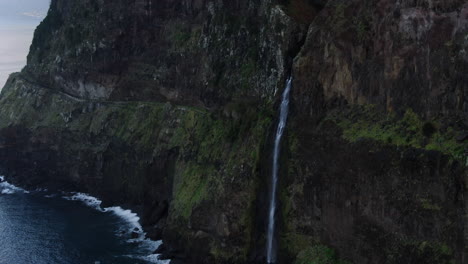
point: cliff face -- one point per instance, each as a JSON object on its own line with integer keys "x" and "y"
{"x": 162, "y": 105}
{"x": 138, "y": 50}
{"x": 371, "y": 180}
{"x": 168, "y": 106}
{"x": 395, "y": 54}
{"x": 192, "y": 172}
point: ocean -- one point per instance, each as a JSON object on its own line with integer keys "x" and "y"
{"x": 38, "y": 227}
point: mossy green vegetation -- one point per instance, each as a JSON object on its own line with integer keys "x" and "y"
{"x": 318, "y": 254}
{"x": 305, "y": 248}
{"x": 247, "y": 72}
{"x": 183, "y": 37}
{"x": 428, "y": 204}
{"x": 421, "y": 251}
{"x": 191, "y": 187}
{"x": 362, "y": 25}
{"x": 408, "y": 130}
{"x": 294, "y": 242}
{"x": 215, "y": 159}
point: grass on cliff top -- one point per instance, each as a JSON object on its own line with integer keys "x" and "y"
{"x": 409, "y": 130}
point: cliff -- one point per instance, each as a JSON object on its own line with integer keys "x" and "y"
{"x": 169, "y": 107}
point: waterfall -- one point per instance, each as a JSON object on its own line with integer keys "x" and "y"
{"x": 284, "y": 109}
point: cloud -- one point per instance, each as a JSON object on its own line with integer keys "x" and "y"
{"x": 34, "y": 14}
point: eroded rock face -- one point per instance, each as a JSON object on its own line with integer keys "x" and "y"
{"x": 168, "y": 106}
{"x": 94, "y": 64}
{"x": 192, "y": 174}
{"x": 395, "y": 54}
{"x": 139, "y": 50}
{"x": 373, "y": 202}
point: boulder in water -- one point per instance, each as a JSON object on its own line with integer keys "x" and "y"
{"x": 134, "y": 235}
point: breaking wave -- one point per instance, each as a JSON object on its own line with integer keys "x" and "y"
{"x": 132, "y": 227}
{"x": 8, "y": 188}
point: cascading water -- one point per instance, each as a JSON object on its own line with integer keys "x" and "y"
{"x": 284, "y": 109}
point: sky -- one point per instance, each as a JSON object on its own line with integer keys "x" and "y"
{"x": 18, "y": 19}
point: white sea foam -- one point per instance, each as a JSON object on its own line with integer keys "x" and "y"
{"x": 8, "y": 188}
{"x": 41, "y": 190}
{"x": 86, "y": 199}
{"x": 153, "y": 258}
{"x": 7, "y": 191}
{"x": 132, "y": 221}
{"x": 128, "y": 216}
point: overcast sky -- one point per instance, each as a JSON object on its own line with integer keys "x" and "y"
{"x": 18, "y": 19}
{"x": 22, "y": 8}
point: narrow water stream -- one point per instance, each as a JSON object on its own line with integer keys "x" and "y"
{"x": 283, "y": 118}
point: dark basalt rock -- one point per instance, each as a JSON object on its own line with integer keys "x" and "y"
{"x": 462, "y": 137}
{"x": 134, "y": 235}
{"x": 169, "y": 106}
{"x": 376, "y": 58}
{"x": 374, "y": 202}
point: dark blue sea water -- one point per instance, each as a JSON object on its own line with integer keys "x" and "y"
{"x": 39, "y": 228}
